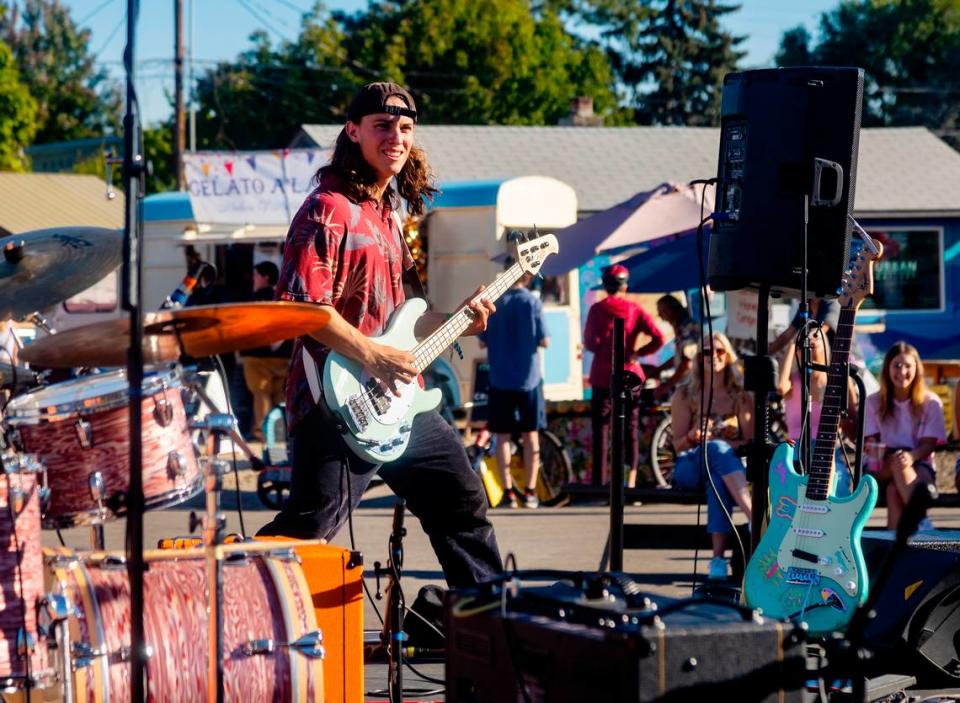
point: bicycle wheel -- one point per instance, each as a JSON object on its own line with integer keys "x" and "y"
{"x": 662, "y": 454}
{"x": 555, "y": 469}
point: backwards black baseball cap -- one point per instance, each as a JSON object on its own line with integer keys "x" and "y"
{"x": 372, "y": 99}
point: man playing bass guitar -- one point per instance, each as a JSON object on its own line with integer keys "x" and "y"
{"x": 344, "y": 249}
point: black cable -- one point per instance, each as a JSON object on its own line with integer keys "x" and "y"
{"x": 60, "y": 537}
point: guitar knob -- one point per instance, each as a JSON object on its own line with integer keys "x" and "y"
{"x": 838, "y": 571}
{"x": 852, "y": 586}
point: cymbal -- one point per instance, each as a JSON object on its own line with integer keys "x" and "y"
{"x": 204, "y": 330}
{"x": 46, "y": 266}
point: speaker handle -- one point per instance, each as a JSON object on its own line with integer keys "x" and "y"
{"x": 817, "y": 200}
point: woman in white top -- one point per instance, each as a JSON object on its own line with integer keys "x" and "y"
{"x": 908, "y": 419}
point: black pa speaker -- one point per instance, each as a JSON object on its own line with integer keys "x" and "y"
{"x": 785, "y": 133}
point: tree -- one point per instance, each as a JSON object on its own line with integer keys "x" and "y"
{"x": 480, "y": 63}
{"x": 17, "y": 114}
{"x": 670, "y": 54}
{"x": 74, "y": 99}
{"x": 465, "y": 62}
{"x": 909, "y": 50}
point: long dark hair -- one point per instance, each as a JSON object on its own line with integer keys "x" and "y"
{"x": 415, "y": 182}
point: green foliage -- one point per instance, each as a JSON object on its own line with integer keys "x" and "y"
{"x": 73, "y": 97}
{"x": 17, "y": 114}
{"x": 466, "y": 62}
{"x": 158, "y": 151}
{"x": 670, "y": 54}
{"x": 909, "y": 49}
{"x": 479, "y": 63}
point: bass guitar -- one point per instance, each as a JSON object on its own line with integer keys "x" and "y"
{"x": 809, "y": 564}
{"x": 377, "y": 424}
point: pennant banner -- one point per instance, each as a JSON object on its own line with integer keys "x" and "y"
{"x": 253, "y": 187}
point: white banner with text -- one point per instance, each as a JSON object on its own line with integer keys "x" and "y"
{"x": 250, "y": 187}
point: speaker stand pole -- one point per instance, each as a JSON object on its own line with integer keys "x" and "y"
{"x": 806, "y": 410}
{"x": 758, "y": 456}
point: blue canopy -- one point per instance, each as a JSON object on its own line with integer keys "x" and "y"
{"x": 670, "y": 263}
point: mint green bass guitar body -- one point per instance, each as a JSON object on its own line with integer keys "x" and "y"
{"x": 809, "y": 565}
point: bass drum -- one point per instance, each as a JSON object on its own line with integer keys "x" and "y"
{"x": 272, "y": 649}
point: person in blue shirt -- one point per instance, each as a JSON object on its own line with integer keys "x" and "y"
{"x": 514, "y": 334}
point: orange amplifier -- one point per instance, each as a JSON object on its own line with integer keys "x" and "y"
{"x": 334, "y": 577}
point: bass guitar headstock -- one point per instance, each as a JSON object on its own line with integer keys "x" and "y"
{"x": 532, "y": 251}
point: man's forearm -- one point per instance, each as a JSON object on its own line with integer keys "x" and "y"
{"x": 344, "y": 338}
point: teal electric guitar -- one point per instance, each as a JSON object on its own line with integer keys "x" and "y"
{"x": 377, "y": 422}
{"x": 809, "y": 565}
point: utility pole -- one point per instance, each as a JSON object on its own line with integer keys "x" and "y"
{"x": 179, "y": 130}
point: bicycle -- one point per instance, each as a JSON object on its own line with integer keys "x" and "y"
{"x": 555, "y": 467}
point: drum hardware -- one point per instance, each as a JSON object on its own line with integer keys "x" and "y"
{"x": 38, "y": 320}
{"x": 53, "y": 614}
{"x": 97, "y": 489}
{"x": 162, "y": 409}
{"x": 84, "y": 432}
{"x": 13, "y": 251}
{"x": 309, "y": 645}
{"x": 176, "y": 464}
{"x": 256, "y": 463}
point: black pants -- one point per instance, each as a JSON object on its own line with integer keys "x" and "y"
{"x": 433, "y": 476}
{"x": 601, "y": 416}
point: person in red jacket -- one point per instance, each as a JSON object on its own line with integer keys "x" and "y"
{"x": 598, "y": 338}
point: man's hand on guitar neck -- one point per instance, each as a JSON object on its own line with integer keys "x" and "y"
{"x": 478, "y": 311}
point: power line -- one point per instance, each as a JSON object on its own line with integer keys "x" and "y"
{"x": 113, "y": 33}
{"x": 90, "y": 16}
{"x": 260, "y": 19}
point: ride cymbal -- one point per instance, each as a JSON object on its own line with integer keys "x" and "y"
{"x": 46, "y": 266}
{"x": 199, "y": 331}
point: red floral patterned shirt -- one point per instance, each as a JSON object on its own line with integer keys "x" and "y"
{"x": 346, "y": 254}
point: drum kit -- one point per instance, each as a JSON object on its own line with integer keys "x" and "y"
{"x": 65, "y": 614}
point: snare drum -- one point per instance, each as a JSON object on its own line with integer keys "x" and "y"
{"x": 267, "y": 606}
{"x": 80, "y": 430}
{"x": 21, "y": 584}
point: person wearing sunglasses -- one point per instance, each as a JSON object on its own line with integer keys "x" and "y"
{"x": 712, "y": 415}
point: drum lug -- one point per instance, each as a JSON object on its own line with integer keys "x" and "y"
{"x": 84, "y": 655}
{"x": 84, "y": 433}
{"x": 163, "y": 410}
{"x": 288, "y": 554}
{"x": 114, "y": 563}
{"x": 44, "y": 494}
{"x": 176, "y": 464}
{"x": 310, "y": 645}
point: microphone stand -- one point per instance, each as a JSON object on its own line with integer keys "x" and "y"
{"x": 618, "y": 425}
{"x": 133, "y": 175}
{"x": 393, "y": 627}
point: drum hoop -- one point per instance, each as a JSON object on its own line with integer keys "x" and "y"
{"x": 34, "y": 411}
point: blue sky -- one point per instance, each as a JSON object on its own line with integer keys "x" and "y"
{"x": 221, "y": 28}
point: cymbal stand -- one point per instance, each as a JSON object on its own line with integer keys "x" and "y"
{"x": 214, "y": 522}
{"x": 393, "y": 636}
{"x": 256, "y": 463}
{"x": 97, "y": 491}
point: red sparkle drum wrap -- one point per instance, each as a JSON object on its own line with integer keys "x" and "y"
{"x": 47, "y": 424}
{"x": 20, "y": 588}
{"x": 265, "y": 597}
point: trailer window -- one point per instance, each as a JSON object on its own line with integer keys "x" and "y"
{"x": 99, "y": 298}
{"x": 909, "y": 277}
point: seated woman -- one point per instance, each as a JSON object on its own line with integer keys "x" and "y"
{"x": 908, "y": 419}
{"x": 728, "y": 424}
{"x": 789, "y": 388}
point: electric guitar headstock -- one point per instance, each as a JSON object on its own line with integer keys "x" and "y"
{"x": 530, "y": 251}
{"x": 857, "y": 282}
